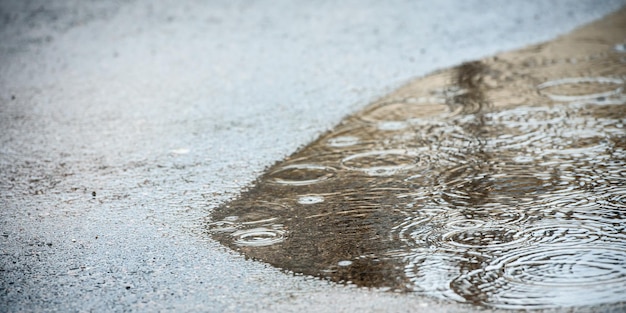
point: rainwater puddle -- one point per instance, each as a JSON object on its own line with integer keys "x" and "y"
{"x": 500, "y": 183}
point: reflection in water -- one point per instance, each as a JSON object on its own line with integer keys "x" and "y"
{"x": 500, "y": 182}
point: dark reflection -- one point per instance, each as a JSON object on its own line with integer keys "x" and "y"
{"x": 500, "y": 182}
{"x": 470, "y": 97}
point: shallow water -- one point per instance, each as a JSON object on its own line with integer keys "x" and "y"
{"x": 501, "y": 182}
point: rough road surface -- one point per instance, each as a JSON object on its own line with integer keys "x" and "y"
{"x": 122, "y": 125}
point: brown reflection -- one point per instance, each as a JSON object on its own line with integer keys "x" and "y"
{"x": 479, "y": 183}
{"x": 470, "y": 79}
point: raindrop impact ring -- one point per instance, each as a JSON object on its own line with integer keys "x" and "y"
{"x": 578, "y": 80}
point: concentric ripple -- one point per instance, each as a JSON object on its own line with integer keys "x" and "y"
{"x": 431, "y": 271}
{"x": 548, "y": 277}
{"x": 258, "y": 237}
{"x": 562, "y": 234}
{"x": 381, "y": 163}
{"x": 495, "y": 237}
{"x": 499, "y": 182}
{"x": 301, "y": 174}
{"x": 581, "y": 88}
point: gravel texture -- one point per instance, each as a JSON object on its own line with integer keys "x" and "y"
{"x": 122, "y": 124}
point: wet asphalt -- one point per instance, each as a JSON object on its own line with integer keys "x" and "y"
{"x": 122, "y": 125}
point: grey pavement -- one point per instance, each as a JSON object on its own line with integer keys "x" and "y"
{"x": 123, "y": 124}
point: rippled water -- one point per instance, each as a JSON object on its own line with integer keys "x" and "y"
{"x": 500, "y": 182}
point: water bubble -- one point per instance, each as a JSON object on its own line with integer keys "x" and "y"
{"x": 258, "y": 237}
{"x": 310, "y": 199}
{"x": 344, "y": 263}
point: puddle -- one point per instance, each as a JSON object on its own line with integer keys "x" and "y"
{"x": 500, "y": 182}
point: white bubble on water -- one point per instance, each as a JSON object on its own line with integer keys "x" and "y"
{"x": 344, "y": 263}
{"x": 310, "y": 199}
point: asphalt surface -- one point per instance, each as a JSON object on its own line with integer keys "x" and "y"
{"x": 123, "y": 124}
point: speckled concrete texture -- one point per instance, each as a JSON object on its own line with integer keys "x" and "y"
{"x": 122, "y": 124}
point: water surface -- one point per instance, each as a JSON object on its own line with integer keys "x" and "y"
{"x": 500, "y": 182}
